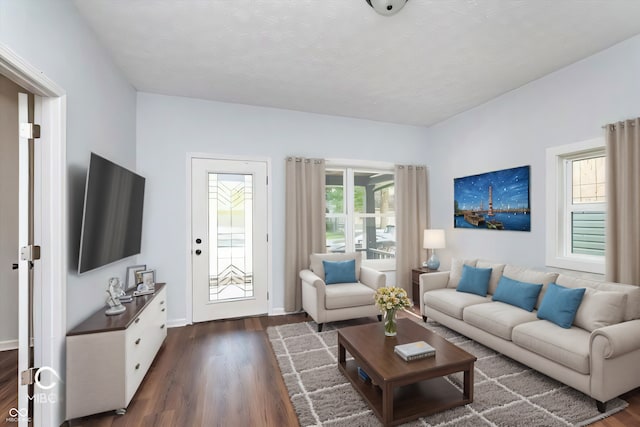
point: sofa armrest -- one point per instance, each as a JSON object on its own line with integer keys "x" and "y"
{"x": 619, "y": 339}
{"x": 372, "y": 278}
{"x": 430, "y": 282}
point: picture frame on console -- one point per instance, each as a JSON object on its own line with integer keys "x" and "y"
{"x": 146, "y": 280}
{"x": 131, "y": 275}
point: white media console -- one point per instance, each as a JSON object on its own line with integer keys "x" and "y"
{"x": 108, "y": 356}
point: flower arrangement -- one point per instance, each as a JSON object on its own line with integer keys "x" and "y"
{"x": 389, "y": 300}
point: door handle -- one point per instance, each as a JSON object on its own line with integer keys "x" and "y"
{"x": 14, "y": 266}
{"x": 198, "y": 251}
{"x": 198, "y": 241}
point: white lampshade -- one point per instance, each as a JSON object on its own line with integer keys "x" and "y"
{"x": 433, "y": 239}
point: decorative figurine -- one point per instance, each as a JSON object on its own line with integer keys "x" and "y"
{"x": 114, "y": 290}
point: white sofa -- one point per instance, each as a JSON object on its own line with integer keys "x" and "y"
{"x": 598, "y": 355}
{"x": 340, "y": 301}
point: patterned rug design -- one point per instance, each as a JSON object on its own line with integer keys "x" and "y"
{"x": 506, "y": 392}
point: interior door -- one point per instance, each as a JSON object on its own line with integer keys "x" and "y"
{"x": 25, "y": 256}
{"x": 229, "y": 241}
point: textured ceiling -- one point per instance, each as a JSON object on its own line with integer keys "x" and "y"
{"x": 432, "y": 60}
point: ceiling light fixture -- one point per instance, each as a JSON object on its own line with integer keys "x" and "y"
{"x": 387, "y": 7}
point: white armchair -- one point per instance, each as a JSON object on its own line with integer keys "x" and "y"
{"x": 339, "y": 301}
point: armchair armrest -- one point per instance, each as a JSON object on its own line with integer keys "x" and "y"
{"x": 619, "y": 339}
{"x": 313, "y": 303}
{"x": 372, "y": 278}
{"x": 312, "y": 278}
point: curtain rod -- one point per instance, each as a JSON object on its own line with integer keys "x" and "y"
{"x": 418, "y": 167}
{"x": 303, "y": 159}
{"x": 613, "y": 125}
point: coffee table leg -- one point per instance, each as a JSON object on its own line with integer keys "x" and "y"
{"x": 387, "y": 404}
{"x": 342, "y": 353}
{"x": 468, "y": 383}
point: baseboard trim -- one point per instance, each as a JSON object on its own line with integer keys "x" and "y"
{"x": 8, "y": 345}
{"x": 278, "y": 311}
{"x": 177, "y": 323}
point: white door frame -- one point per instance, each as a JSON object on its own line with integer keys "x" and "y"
{"x": 50, "y": 326}
{"x": 189, "y": 245}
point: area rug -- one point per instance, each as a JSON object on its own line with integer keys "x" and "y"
{"x": 506, "y": 392}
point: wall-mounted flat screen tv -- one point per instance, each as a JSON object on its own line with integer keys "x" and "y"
{"x": 112, "y": 216}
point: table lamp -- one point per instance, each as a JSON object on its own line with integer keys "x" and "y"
{"x": 433, "y": 239}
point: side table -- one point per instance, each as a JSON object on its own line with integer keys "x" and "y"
{"x": 415, "y": 282}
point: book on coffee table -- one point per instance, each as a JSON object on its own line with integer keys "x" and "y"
{"x": 414, "y": 350}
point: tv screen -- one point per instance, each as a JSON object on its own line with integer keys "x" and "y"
{"x": 112, "y": 216}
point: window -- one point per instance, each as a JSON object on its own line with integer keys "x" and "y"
{"x": 360, "y": 212}
{"x": 576, "y": 206}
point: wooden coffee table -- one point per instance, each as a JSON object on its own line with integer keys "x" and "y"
{"x": 404, "y": 391}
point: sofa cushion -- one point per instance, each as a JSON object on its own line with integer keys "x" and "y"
{"x": 474, "y": 280}
{"x": 515, "y": 292}
{"x": 496, "y": 273}
{"x": 568, "y": 347}
{"x": 455, "y": 272}
{"x": 451, "y": 302}
{"x": 560, "y": 304}
{"x": 497, "y": 318}
{"x": 524, "y": 274}
{"x": 342, "y": 295}
{"x": 630, "y": 309}
{"x": 315, "y": 262}
{"x": 599, "y": 309}
{"x": 339, "y": 271}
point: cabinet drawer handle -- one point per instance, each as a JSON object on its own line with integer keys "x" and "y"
{"x": 162, "y": 327}
{"x": 161, "y": 302}
{"x": 138, "y": 341}
{"x": 137, "y": 320}
{"x": 137, "y": 366}
{"x": 163, "y": 309}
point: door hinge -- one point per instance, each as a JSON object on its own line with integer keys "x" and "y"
{"x": 267, "y": 237}
{"x": 29, "y": 131}
{"x": 28, "y": 377}
{"x": 30, "y": 253}
{"x": 267, "y": 296}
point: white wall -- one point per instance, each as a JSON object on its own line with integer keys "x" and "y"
{"x": 567, "y": 106}
{"x": 101, "y": 115}
{"x": 51, "y": 36}
{"x": 170, "y": 127}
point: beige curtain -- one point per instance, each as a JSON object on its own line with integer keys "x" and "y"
{"x": 623, "y": 202}
{"x": 411, "y": 221}
{"x": 305, "y": 224}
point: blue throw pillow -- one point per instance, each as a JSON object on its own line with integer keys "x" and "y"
{"x": 560, "y": 305}
{"x": 474, "y": 280}
{"x": 339, "y": 271}
{"x": 520, "y": 294}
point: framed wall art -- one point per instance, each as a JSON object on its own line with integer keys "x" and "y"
{"x": 494, "y": 200}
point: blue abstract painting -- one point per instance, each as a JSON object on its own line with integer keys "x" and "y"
{"x": 495, "y": 200}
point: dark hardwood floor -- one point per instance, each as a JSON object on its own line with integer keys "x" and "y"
{"x": 220, "y": 373}
{"x": 8, "y": 382}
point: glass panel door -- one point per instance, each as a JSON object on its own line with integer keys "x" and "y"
{"x": 231, "y": 225}
{"x": 229, "y": 244}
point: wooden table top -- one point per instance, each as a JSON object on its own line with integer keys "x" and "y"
{"x": 369, "y": 344}
{"x": 100, "y": 322}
